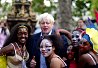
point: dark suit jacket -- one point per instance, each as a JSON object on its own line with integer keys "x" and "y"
{"x": 33, "y": 48}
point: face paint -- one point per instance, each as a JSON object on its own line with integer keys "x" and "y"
{"x": 76, "y": 37}
{"x": 69, "y": 48}
{"x": 70, "y": 53}
{"x": 46, "y": 47}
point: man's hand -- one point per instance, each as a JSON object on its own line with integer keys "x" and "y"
{"x": 33, "y": 62}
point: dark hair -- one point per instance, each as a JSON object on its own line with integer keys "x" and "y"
{"x": 56, "y": 42}
{"x": 13, "y": 34}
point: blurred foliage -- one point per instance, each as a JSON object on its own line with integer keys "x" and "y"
{"x": 94, "y": 6}
{"x": 81, "y": 7}
{"x": 38, "y": 6}
{"x": 4, "y": 9}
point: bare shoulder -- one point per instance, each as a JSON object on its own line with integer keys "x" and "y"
{"x": 55, "y": 63}
{"x": 85, "y": 58}
{"x": 55, "y": 60}
{"x": 82, "y": 60}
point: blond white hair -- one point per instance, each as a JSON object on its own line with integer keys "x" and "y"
{"x": 46, "y": 17}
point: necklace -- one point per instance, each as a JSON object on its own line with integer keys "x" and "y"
{"x": 22, "y": 51}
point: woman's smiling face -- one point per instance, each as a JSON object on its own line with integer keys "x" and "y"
{"x": 22, "y": 35}
{"x": 46, "y": 47}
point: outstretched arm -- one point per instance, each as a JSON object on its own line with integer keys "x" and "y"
{"x": 65, "y": 32}
{"x": 5, "y": 50}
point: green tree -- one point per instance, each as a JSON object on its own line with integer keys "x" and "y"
{"x": 5, "y": 8}
{"x": 64, "y": 9}
{"x": 81, "y": 6}
{"x": 94, "y": 6}
{"x": 40, "y": 7}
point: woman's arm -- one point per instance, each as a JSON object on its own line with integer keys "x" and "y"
{"x": 6, "y": 49}
{"x": 65, "y": 32}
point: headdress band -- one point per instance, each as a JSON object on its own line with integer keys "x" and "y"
{"x": 22, "y": 26}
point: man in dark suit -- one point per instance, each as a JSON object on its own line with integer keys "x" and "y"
{"x": 46, "y": 22}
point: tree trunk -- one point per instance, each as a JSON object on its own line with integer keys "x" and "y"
{"x": 65, "y": 13}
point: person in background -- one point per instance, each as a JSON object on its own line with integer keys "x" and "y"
{"x": 83, "y": 46}
{"x": 46, "y": 22}
{"x": 49, "y": 47}
{"x": 15, "y": 46}
{"x": 87, "y": 57}
{"x": 81, "y": 24}
{"x": 75, "y": 37}
{"x": 71, "y": 61}
{"x": 4, "y": 33}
